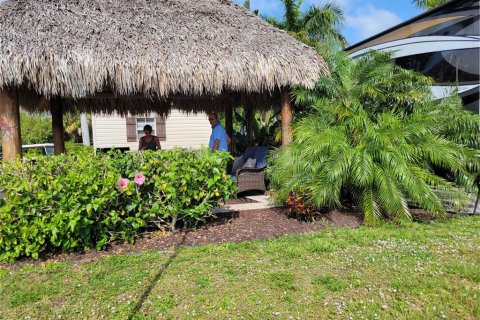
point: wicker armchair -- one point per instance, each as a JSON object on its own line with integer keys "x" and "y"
{"x": 251, "y": 178}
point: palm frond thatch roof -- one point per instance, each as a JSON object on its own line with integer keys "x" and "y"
{"x": 157, "y": 48}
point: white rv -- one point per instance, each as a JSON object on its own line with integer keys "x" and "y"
{"x": 443, "y": 43}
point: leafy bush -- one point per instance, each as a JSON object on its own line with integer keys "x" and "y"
{"x": 54, "y": 203}
{"x": 374, "y": 136}
{"x": 180, "y": 186}
{"x": 300, "y": 207}
{"x": 36, "y": 128}
{"x": 72, "y": 202}
{"x": 76, "y": 147}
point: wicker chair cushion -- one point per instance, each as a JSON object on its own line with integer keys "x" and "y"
{"x": 237, "y": 164}
{"x": 250, "y": 163}
{"x": 249, "y": 153}
{"x": 260, "y": 154}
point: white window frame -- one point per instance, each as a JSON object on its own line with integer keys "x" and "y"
{"x": 141, "y": 122}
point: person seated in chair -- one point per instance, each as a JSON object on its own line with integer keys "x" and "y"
{"x": 149, "y": 141}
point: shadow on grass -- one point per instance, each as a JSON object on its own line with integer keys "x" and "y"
{"x": 157, "y": 278}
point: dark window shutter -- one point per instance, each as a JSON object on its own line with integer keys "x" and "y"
{"x": 161, "y": 130}
{"x": 131, "y": 129}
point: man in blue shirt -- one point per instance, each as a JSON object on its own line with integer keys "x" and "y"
{"x": 219, "y": 139}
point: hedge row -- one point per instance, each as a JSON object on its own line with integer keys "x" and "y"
{"x": 74, "y": 202}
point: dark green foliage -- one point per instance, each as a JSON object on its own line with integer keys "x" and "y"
{"x": 374, "y": 137}
{"x": 265, "y": 126}
{"x": 72, "y": 202}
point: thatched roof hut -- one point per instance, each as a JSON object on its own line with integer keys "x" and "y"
{"x": 143, "y": 55}
{"x": 157, "y": 49}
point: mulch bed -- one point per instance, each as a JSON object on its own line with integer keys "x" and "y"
{"x": 227, "y": 227}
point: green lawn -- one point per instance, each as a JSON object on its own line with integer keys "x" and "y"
{"x": 421, "y": 271}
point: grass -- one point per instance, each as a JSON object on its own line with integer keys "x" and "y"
{"x": 418, "y": 271}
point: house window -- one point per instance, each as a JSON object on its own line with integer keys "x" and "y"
{"x": 141, "y": 122}
{"x": 135, "y": 127}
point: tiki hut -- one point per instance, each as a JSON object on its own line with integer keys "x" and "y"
{"x": 136, "y": 56}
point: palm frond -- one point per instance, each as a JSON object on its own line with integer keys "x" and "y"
{"x": 371, "y": 211}
{"x": 373, "y": 130}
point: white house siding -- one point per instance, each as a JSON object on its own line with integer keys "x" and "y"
{"x": 182, "y": 130}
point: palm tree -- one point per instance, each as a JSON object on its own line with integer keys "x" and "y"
{"x": 429, "y": 4}
{"x": 315, "y": 25}
{"x": 374, "y": 137}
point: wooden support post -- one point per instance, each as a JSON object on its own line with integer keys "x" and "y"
{"x": 57, "y": 126}
{"x": 10, "y": 125}
{"x": 229, "y": 125}
{"x": 286, "y": 118}
{"x": 249, "y": 118}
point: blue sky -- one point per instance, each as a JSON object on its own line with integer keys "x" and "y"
{"x": 364, "y": 18}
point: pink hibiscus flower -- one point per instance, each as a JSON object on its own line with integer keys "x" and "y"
{"x": 123, "y": 183}
{"x": 139, "y": 178}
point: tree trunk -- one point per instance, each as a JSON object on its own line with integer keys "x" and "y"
{"x": 286, "y": 118}
{"x": 249, "y": 118}
{"x": 10, "y": 125}
{"x": 57, "y": 126}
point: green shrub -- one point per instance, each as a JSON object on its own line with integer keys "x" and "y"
{"x": 375, "y": 138}
{"x": 36, "y": 128}
{"x": 180, "y": 186}
{"x": 76, "y": 147}
{"x": 73, "y": 202}
{"x": 54, "y": 203}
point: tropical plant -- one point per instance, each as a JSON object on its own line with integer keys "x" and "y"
{"x": 429, "y": 4}
{"x": 266, "y": 128}
{"x": 72, "y": 124}
{"x": 374, "y": 137}
{"x": 300, "y": 209}
{"x": 315, "y": 25}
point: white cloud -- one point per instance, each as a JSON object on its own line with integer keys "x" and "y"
{"x": 369, "y": 21}
{"x": 342, "y": 3}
